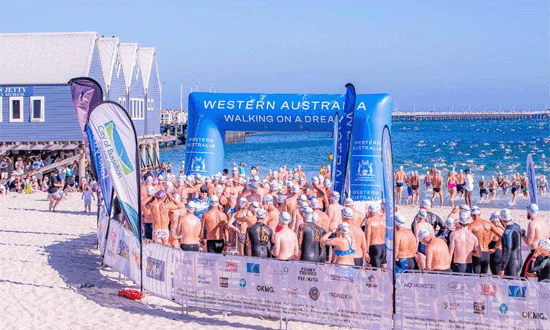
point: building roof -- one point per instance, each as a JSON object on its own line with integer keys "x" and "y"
{"x": 146, "y": 55}
{"x": 45, "y": 58}
{"x": 108, "y": 52}
{"x": 128, "y": 59}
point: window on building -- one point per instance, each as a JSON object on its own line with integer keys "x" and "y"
{"x": 150, "y": 104}
{"x": 37, "y": 108}
{"x": 136, "y": 108}
{"x": 16, "y": 109}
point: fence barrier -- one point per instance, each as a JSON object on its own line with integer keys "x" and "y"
{"x": 326, "y": 293}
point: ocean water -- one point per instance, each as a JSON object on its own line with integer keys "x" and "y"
{"x": 482, "y": 146}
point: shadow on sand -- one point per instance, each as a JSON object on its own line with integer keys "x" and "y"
{"x": 78, "y": 264}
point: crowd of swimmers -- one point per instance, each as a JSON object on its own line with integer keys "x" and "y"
{"x": 283, "y": 215}
{"x": 467, "y": 242}
{"x": 462, "y": 184}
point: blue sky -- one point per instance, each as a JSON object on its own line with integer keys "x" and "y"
{"x": 488, "y": 54}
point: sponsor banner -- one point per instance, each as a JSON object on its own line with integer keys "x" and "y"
{"x": 115, "y": 137}
{"x": 127, "y": 255}
{"x": 157, "y": 271}
{"x": 111, "y": 245}
{"x": 429, "y": 301}
{"x": 339, "y": 296}
{"x": 102, "y": 224}
{"x": 99, "y": 169}
{"x": 185, "y": 277}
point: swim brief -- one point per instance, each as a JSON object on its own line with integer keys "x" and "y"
{"x": 409, "y": 190}
{"x": 414, "y": 187}
{"x": 189, "y": 247}
{"x": 358, "y": 261}
{"x": 403, "y": 264}
{"x": 462, "y": 268}
{"x": 399, "y": 184}
{"x": 437, "y": 190}
{"x": 215, "y": 245}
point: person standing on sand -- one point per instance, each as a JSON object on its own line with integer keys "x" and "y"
{"x": 360, "y": 255}
{"x": 496, "y": 245}
{"x": 189, "y": 229}
{"x": 537, "y": 229}
{"x": 286, "y": 245}
{"x": 460, "y": 182}
{"x": 214, "y": 222}
{"x": 259, "y": 237}
{"x": 451, "y": 185}
{"x": 511, "y": 246}
{"x": 344, "y": 245}
{"x": 309, "y": 239}
{"x": 464, "y": 246}
{"x": 428, "y": 180}
{"x": 468, "y": 187}
{"x": 54, "y": 190}
{"x": 493, "y": 185}
{"x": 415, "y": 186}
{"x": 543, "y": 184}
{"x": 484, "y": 231}
{"x": 437, "y": 253}
{"x": 375, "y": 234}
{"x": 405, "y": 245}
{"x": 334, "y": 211}
{"x": 87, "y": 196}
{"x": 437, "y": 182}
{"x": 400, "y": 178}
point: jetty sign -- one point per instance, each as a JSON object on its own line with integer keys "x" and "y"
{"x": 7, "y": 91}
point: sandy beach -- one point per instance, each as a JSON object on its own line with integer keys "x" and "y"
{"x": 49, "y": 258}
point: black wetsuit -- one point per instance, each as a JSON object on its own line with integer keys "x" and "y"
{"x": 511, "y": 250}
{"x": 496, "y": 261}
{"x": 259, "y": 236}
{"x": 433, "y": 219}
{"x": 446, "y": 236}
{"x": 541, "y": 267}
{"x": 311, "y": 235}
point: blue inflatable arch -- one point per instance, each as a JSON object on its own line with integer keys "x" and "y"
{"x": 211, "y": 114}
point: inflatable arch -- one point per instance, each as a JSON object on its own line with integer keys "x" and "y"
{"x": 211, "y": 114}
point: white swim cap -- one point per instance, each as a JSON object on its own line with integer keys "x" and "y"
{"x": 169, "y": 186}
{"x": 304, "y": 205}
{"x": 545, "y": 244}
{"x": 476, "y": 210}
{"x": 327, "y": 183}
{"x": 177, "y": 197}
{"x": 423, "y": 234}
{"x": 348, "y": 201}
{"x": 308, "y": 210}
{"x": 191, "y": 205}
{"x": 243, "y": 201}
{"x": 261, "y": 213}
{"x": 347, "y": 213}
{"x": 464, "y": 207}
{"x": 268, "y": 199}
{"x": 335, "y": 196}
{"x": 343, "y": 227}
{"x": 255, "y": 206}
{"x": 150, "y": 191}
{"x": 494, "y": 216}
{"x": 505, "y": 215}
{"x": 308, "y": 217}
{"x": 284, "y": 218}
{"x": 422, "y": 214}
{"x": 295, "y": 189}
{"x": 315, "y": 217}
{"x": 400, "y": 220}
{"x": 449, "y": 223}
{"x": 374, "y": 207}
{"x": 315, "y": 203}
{"x": 161, "y": 178}
{"x": 281, "y": 198}
{"x": 302, "y": 198}
{"x": 533, "y": 209}
{"x": 426, "y": 203}
{"x": 149, "y": 179}
{"x": 214, "y": 200}
{"x": 464, "y": 218}
{"x": 253, "y": 186}
{"x": 256, "y": 178}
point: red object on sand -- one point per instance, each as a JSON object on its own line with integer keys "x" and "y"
{"x": 131, "y": 294}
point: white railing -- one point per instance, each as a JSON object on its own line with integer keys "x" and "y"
{"x": 173, "y": 117}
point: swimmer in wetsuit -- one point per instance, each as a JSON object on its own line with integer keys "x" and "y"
{"x": 259, "y": 237}
{"x": 539, "y": 264}
{"x": 309, "y": 239}
{"x": 511, "y": 245}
